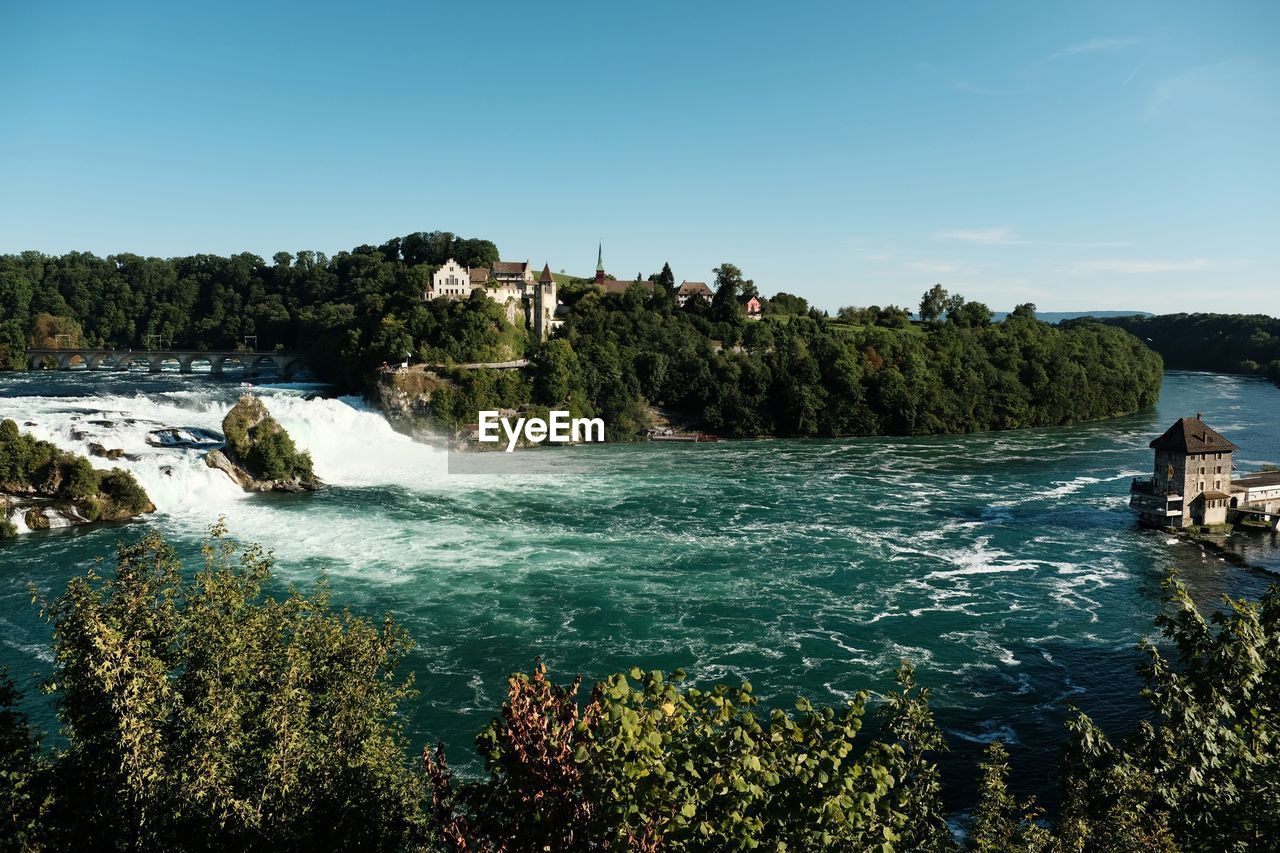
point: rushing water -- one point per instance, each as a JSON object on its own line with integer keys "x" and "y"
{"x": 1006, "y": 565}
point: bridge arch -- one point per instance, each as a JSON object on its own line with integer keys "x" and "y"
{"x": 156, "y": 364}
{"x": 92, "y": 358}
{"x": 127, "y": 360}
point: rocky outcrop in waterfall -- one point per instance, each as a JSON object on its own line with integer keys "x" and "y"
{"x": 42, "y": 486}
{"x": 259, "y": 454}
{"x": 407, "y": 394}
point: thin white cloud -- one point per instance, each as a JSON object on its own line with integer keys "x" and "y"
{"x": 1235, "y": 82}
{"x": 1003, "y": 235}
{"x": 998, "y": 236}
{"x": 1097, "y": 45}
{"x": 1140, "y": 267}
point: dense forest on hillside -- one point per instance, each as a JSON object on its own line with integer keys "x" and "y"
{"x": 797, "y": 372}
{"x": 1228, "y": 343}
{"x": 198, "y": 712}
{"x": 349, "y": 313}
{"x": 810, "y": 376}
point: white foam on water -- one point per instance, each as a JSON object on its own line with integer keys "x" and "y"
{"x": 350, "y": 446}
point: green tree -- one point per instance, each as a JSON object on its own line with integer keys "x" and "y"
{"x": 24, "y": 776}
{"x": 933, "y": 304}
{"x": 666, "y": 278}
{"x": 202, "y": 709}
{"x": 652, "y": 764}
{"x": 1000, "y": 824}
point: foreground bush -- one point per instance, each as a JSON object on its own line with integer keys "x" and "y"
{"x": 202, "y": 714}
{"x": 1202, "y": 775}
{"x": 652, "y": 764}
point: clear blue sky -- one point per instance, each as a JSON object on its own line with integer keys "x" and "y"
{"x": 1079, "y": 155}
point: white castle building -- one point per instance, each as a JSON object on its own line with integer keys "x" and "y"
{"x": 510, "y": 284}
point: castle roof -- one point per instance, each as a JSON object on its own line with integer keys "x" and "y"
{"x": 479, "y": 275}
{"x": 510, "y": 267}
{"x": 1192, "y": 435}
{"x": 546, "y": 277}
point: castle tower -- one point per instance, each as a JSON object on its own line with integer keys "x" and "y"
{"x": 600, "y": 264}
{"x": 544, "y": 302}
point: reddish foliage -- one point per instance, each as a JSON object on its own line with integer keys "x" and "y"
{"x": 873, "y": 358}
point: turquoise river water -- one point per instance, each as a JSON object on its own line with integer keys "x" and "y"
{"x": 1006, "y": 565}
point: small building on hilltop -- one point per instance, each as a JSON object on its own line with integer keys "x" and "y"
{"x": 693, "y": 290}
{"x": 1191, "y": 481}
{"x": 751, "y": 306}
{"x": 510, "y": 284}
{"x": 517, "y": 274}
{"x": 611, "y": 285}
{"x": 451, "y": 280}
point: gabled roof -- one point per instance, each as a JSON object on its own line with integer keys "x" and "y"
{"x": 747, "y": 297}
{"x": 479, "y": 275}
{"x": 690, "y": 288}
{"x": 510, "y": 267}
{"x": 1192, "y": 435}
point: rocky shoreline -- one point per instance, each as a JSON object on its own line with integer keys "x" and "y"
{"x": 46, "y": 487}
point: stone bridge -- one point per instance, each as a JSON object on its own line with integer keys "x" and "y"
{"x": 102, "y": 359}
{"x": 1271, "y": 518}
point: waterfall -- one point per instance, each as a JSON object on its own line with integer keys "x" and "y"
{"x": 350, "y": 444}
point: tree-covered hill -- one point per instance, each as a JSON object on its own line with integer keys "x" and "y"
{"x": 1229, "y": 343}
{"x": 869, "y": 371}
{"x": 817, "y": 377}
{"x": 349, "y": 313}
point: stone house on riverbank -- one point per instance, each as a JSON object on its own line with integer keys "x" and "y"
{"x": 1192, "y": 484}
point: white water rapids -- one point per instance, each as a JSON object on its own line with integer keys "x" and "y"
{"x": 350, "y": 445}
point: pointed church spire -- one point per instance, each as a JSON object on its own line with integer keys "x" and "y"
{"x": 600, "y": 258}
